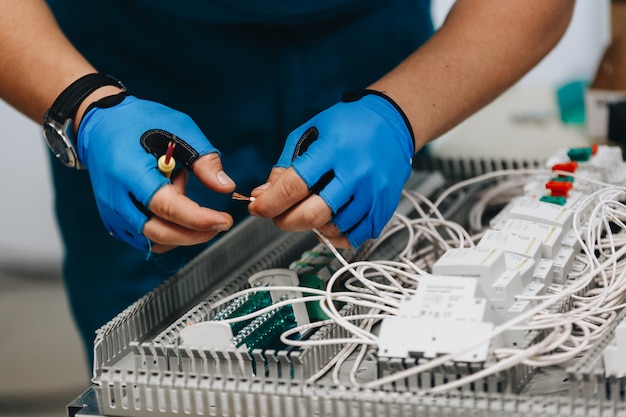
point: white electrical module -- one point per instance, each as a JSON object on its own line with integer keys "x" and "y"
{"x": 446, "y": 315}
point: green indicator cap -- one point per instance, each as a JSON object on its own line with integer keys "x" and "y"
{"x": 580, "y": 154}
{"x": 565, "y": 178}
{"x": 554, "y": 200}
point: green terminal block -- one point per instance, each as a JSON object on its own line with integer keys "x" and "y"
{"x": 565, "y": 178}
{"x": 313, "y": 268}
{"x": 246, "y": 304}
{"x": 264, "y": 331}
{"x": 313, "y": 307}
{"x": 580, "y": 154}
{"x": 554, "y": 200}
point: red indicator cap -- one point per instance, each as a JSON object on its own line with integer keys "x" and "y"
{"x": 559, "y": 188}
{"x": 568, "y": 166}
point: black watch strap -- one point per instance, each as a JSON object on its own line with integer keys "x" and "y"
{"x": 67, "y": 103}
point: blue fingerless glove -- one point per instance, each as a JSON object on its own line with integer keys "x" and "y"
{"x": 119, "y": 141}
{"x": 357, "y": 156}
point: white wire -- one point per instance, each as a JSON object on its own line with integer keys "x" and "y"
{"x": 484, "y": 177}
{"x": 509, "y": 324}
{"x": 367, "y": 325}
{"x": 596, "y": 294}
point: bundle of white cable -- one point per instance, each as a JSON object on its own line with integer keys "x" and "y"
{"x": 598, "y": 291}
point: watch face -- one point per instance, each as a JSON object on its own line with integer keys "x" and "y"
{"x": 59, "y": 143}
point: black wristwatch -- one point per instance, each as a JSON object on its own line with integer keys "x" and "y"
{"x": 58, "y": 122}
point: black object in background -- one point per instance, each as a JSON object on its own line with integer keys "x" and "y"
{"x": 617, "y": 123}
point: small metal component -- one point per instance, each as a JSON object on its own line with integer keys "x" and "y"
{"x": 241, "y": 197}
{"x": 265, "y": 330}
{"x": 242, "y": 306}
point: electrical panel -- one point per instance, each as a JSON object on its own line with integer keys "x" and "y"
{"x": 428, "y": 319}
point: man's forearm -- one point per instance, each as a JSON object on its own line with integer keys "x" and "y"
{"x": 36, "y": 60}
{"x": 483, "y": 48}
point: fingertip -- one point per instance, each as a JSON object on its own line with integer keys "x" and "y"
{"x": 210, "y": 171}
{"x": 281, "y": 194}
{"x": 220, "y": 221}
{"x": 224, "y": 179}
{"x": 258, "y": 190}
{"x": 251, "y": 209}
{"x": 228, "y": 221}
{"x": 221, "y": 227}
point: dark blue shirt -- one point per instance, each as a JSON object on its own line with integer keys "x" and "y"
{"x": 247, "y": 71}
